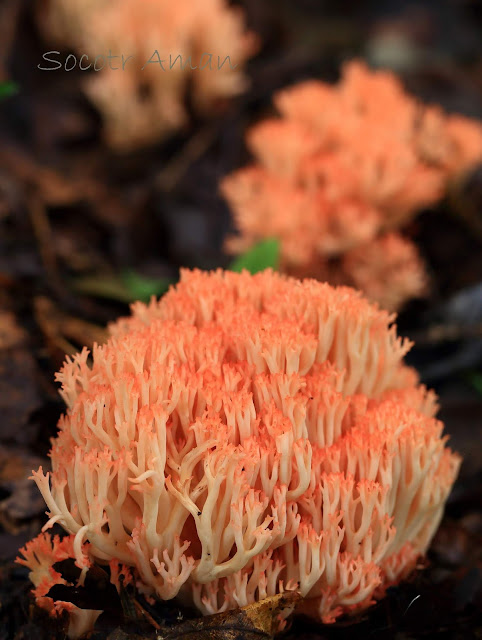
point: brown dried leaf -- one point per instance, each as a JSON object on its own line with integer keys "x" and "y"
{"x": 18, "y": 381}
{"x": 23, "y": 499}
{"x": 11, "y": 335}
{"x": 258, "y": 620}
{"x": 60, "y": 329}
{"x": 120, "y": 634}
{"x": 52, "y": 188}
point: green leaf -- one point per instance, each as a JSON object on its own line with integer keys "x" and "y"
{"x": 8, "y": 89}
{"x": 475, "y": 379}
{"x": 110, "y": 287}
{"x": 127, "y": 287}
{"x": 262, "y": 256}
{"x": 143, "y": 288}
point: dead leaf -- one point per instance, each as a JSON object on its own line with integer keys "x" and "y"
{"x": 18, "y": 392}
{"x": 23, "y": 500}
{"x": 120, "y": 634}
{"x": 62, "y": 330}
{"x": 52, "y": 188}
{"x": 258, "y": 620}
{"x": 11, "y": 335}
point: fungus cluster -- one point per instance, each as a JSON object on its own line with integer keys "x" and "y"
{"x": 41, "y": 554}
{"x": 162, "y": 49}
{"x": 248, "y": 434}
{"x": 343, "y": 166}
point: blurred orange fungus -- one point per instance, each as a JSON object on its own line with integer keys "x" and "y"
{"x": 342, "y": 167}
{"x": 161, "y": 48}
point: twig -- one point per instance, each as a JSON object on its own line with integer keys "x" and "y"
{"x": 446, "y": 333}
{"x": 43, "y": 234}
{"x": 140, "y": 610}
{"x": 170, "y": 177}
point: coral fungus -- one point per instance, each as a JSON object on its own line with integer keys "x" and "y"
{"x": 388, "y": 269}
{"x": 342, "y": 165}
{"x": 246, "y": 435}
{"x": 158, "y": 48}
{"x": 40, "y": 555}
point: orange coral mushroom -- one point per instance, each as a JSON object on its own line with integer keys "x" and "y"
{"x": 250, "y": 434}
{"x": 143, "y": 101}
{"x": 40, "y": 555}
{"x": 388, "y": 269}
{"x": 342, "y": 165}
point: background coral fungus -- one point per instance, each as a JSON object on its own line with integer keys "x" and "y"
{"x": 246, "y": 435}
{"x": 160, "y": 49}
{"x": 340, "y": 170}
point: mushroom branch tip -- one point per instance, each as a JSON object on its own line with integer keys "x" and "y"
{"x": 243, "y": 436}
